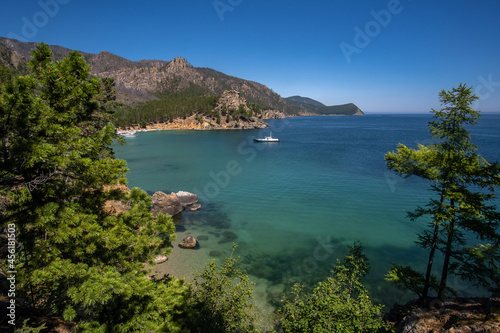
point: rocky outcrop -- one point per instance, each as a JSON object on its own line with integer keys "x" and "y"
{"x": 116, "y": 207}
{"x": 273, "y": 114}
{"x": 138, "y": 81}
{"x": 201, "y": 123}
{"x": 189, "y": 242}
{"x": 141, "y": 81}
{"x": 165, "y": 203}
{"x": 195, "y": 207}
{"x": 233, "y": 111}
{"x": 186, "y": 198}
{"x": 462, "y": 315}
{"x": 173, "y": 203}
{"x": 231, "y": 100}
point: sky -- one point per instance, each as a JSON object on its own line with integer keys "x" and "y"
{"x": 383, "y": 55}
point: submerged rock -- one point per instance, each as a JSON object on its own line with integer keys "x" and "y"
{"x": 189, "y": 242}
{"x": 195, "y": 207}
{"x": 216, "y": 234}
{"x": 166, "y": 203}
{"x": 214, "y": 254}
{"x": 228, "y": 236}
{"x": 203, "y": 238}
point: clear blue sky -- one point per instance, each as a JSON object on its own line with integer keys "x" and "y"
{"x": 383, "y": 55}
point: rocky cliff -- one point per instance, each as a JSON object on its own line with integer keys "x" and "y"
{"x": 139, "y": 81}
{"x": 456, "y": 315}
{"x": 231, "y": 112}
{"x": 147, "y": 80}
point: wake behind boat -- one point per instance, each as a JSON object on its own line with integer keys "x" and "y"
{"x": 267, "y": 139}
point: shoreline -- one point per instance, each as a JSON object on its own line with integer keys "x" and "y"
{"x": 190, "y": 123}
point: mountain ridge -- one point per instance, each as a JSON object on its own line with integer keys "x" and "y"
{"x": 147, "y": 80}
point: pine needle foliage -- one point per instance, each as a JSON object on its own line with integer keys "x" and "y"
{"x": 461, "y": 208}
{"x": 221, "y": 300}
{"x": 339, "y": 304}
{"x": 75, "y": 259}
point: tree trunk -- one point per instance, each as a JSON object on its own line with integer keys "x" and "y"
{"x": 447, "y": 255}
{"x": 425, "y": 292}
{"x": 427, "y": 284}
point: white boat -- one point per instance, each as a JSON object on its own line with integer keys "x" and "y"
{"x": 267, "y": 139}
{"x": 128, "y": 134}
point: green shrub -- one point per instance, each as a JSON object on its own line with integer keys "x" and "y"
{"x": 221, "y": 300}
{"x": 339, "y": 304}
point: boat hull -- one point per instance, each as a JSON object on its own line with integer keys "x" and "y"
{"x": 266, "y": 140}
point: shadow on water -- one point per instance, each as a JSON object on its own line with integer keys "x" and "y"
{"x": 313, "y": 262}
{"x": 211, "y": 214}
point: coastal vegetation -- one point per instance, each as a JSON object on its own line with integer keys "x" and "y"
{"x": 220, "y": 300}
{"x": 152, "y": 91}
{"x": 165, "y": 109}
{"x": 90, "y": 267}
{"x": 310, "y": 106}
{"x": 72, "y": 258}
{"x": 464, "y": 185}
{"x": 341, "y": 303}
{"x": 190, "y": 101}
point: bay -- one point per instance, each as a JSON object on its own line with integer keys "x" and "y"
{"x": 293, "y": 207}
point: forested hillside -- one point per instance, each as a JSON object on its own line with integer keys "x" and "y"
{"x": 150, "y": 91}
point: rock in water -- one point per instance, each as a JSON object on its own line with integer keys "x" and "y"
{"x": 214, "y": 254}
{"x": 166, "y": 204}
{"x": 195, "y": 207}
{"x": 189, "y": 242}
{"x": 187, "y": 198}
{"x": 228, "y": 236}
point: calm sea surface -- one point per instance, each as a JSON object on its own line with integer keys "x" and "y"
{"x": 293, "y": 207}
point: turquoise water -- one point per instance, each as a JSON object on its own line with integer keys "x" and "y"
{"x": 293, "y": 207}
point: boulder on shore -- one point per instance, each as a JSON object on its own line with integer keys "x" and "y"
{"x": 160, "y": 259}
{"x": 187, "y": 198}
{"x": 189, "y": 242}
{"x": 166, "y": 203}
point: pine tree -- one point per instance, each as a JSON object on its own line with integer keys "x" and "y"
{"x": 76, "y": 259}
{"x": 220, "y": 300}
{"x": 464, "y": 184}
